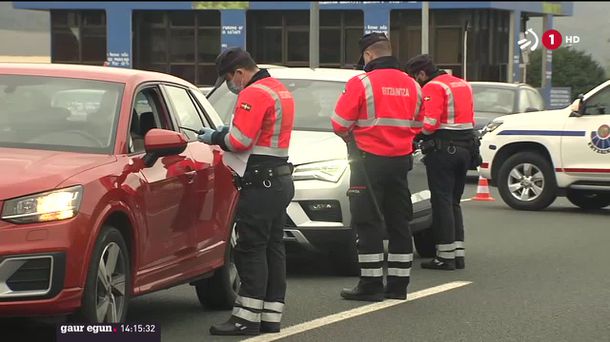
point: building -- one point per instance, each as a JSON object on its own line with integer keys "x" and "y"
{"x": 183, "y": 38}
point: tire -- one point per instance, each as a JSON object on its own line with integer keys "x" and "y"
{"x": 220, "y": 291}
{"x": 424, "y": 243}
{"x": 588, "y": 200}
{"x": 532, "y": 181}
{"x": 109, "y": 243}
{"x": 344, "y": 258}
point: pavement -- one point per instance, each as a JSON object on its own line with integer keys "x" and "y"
{"x": 530, "y": 276}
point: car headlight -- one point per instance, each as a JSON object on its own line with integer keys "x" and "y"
{"x": 329, "y": 171}
{"x": 492, "y": 126}
{"x": 45, "y": 207}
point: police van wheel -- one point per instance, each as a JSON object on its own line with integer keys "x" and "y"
{"x": 424, "y": 243}
{"x": 588, "y": 200}
{"x": 526, "y": 181}
{"x": 219, "y": 291}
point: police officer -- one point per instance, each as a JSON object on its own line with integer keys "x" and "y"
{"x": 377, "y": 112}
{"x": 450, "y": 148}
{"x": 260, "y": 130}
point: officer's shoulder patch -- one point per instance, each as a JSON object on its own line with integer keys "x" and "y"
{"x": 245, "y": 106}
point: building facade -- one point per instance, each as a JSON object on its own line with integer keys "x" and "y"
{"x": 183, "y": 38}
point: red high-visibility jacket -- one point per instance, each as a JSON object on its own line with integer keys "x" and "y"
{"x": 263, "y": 119}
{"x": 448, "y": 104}
{"x": 380, "y": 109}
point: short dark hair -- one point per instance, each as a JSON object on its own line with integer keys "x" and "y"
{"x": 381, "y": 48}
{"x": 420, "y": 63}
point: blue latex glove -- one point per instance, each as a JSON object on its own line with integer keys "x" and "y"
{"x": 205, "y": 135}
{"x": 221, "y": 128}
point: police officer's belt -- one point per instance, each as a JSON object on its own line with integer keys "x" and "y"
{"x": 262, "y": 176}
{"x": 439, "y": 144}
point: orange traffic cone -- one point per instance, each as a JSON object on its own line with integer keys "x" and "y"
{"x": 483, "y": 193}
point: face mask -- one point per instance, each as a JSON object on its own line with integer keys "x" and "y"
{"x": 233, "y": 87}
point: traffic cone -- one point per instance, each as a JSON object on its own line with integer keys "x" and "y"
{"x": 483, "y": 193}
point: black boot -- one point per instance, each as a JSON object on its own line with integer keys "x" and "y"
{"x": 395, "y": 294}
{"x": 460, "y": 263}
{"x": 369, "y": 293}
{"x": 270, "y": 327}
{"x": 234, "y": 328}
{"x": 436, "y": 264}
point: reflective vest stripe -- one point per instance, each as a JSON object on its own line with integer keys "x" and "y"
{"x": 399, "y": 272}
{"x": 389, "y": 122}
{"x": 459, "y": 244}
{"x": 460, "y": 253}
{"x": 246, "y": 314}
{"x": 369, "y": 96}
{"x": 251, "y": 303}
{"x": 341, "y": 121}
{"x": 275, "y": 139}
{"x": 400, "y": 257}
{"x": 370, "y": 257}
{"x": 450, "y": 102}
{"x": 430, "y": 121}
{"x": 446, "y": 255}
{"x": 455, "y": 126}
{"x": 270, "y": 151}
{"x": 239, "y": 136}
{"x": 271, "y": 317}
{"x": 446, "y": 248}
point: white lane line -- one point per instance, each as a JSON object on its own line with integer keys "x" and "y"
{"x": 334, "y": 318}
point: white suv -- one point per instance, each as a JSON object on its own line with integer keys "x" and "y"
{"x": 533, "y": 158}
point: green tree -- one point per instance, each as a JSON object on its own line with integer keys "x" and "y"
{"x": 571, "y": 68}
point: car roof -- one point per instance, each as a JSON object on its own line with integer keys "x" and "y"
{"x": 318, "y": 74}
{"x": 500, "y": 84}
{"x": 87, "y": 72}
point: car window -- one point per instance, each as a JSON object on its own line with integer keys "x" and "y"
{"x": 185, "y": 111}
{"x": 599, "y": 103}
{"x": 314, "y": 102}
{"x": 493, "y": 99}
{"x": 207, "y": 108}
{"x": 535, "y": 99}
{"x": 524, "y": 102}
{"x": 147, "y": 113}
{"x": 56, "y": 113}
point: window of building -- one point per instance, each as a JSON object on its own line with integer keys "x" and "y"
{"x": 182, "y": 43}
{"x": 78, "y": 37}
{"x": 405, "y": 34}
{"x": 280, "y": 37}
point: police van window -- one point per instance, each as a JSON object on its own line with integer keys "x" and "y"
{"x": 524, "y": 102}
{"x": 598, "y": 104}
{"x": 536, "y": 100}
{"x": 147, "y": 113}
{"x": 185, "y": 111}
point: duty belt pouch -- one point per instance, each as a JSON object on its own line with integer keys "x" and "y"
{"x": 428, "y": 146}
{"x": 476, "y": 160}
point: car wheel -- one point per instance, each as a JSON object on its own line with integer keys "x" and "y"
{"x": 424, "y": 243}
{"x": 526, "y": 181}
{"x": 220, "y": 291}
{"x": 107, "y": 289}
{"x": 588, "y": 200}
{"x": 344, "y": 258}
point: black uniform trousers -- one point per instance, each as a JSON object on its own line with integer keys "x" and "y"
{"x": 446, "y": 168}
{"x": 388, "y": 179}
{"x": 259, "y": 254}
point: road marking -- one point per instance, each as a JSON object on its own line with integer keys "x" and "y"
{"x": 334, "y": 318}
{"x": 466, "y": 200}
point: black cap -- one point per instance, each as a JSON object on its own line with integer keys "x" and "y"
{"x": 368, "y": 40}
{"x": 228, "y": 60}
{"x": 419, "y": 63}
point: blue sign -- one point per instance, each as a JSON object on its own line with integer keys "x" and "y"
{"x": 233, "y": 28}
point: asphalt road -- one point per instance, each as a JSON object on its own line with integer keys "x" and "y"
{"x": 535, "y": 276}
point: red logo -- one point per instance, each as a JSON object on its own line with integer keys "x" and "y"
{"x": 552, "y": 39}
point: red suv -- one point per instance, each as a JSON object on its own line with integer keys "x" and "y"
{"x": 105, "y": 193}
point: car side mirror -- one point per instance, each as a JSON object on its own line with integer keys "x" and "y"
{"x": 160, "y": 143}
{"x": 578, "y": 106}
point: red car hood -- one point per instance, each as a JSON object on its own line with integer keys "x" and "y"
{"x": 23, "y": 172}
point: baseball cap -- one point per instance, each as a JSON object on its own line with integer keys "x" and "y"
{"x": 368, "y": 40}
{"x": 228, "y": 60}
{"x": 419, "y": 63}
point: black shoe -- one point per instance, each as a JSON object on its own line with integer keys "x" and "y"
{"x": 357, "y": 293}
{"x": 269, "y": 327}
{"x": 436, "y": 264}
{"x": 460, "y": 263}
{"x": 396, "y": 295}
{"x": 232, "y": 328}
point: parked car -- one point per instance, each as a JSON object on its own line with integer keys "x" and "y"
{"x": 208, "y": 89}
{"x": 103, "y": 196}
{"x": 495, "y": 99}
{"x": 319, "y": 216}
{"x": 533, "y": 158}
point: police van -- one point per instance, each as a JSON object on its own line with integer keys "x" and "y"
{"x": 533, "y": 158}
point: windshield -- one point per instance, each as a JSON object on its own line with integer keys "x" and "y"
{"x": 61, "y": 114}
{"x": 314, "y": 103}
{"x": 493, "y": 99}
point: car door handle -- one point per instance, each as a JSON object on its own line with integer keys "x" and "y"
{"x": 190, "y": 175}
